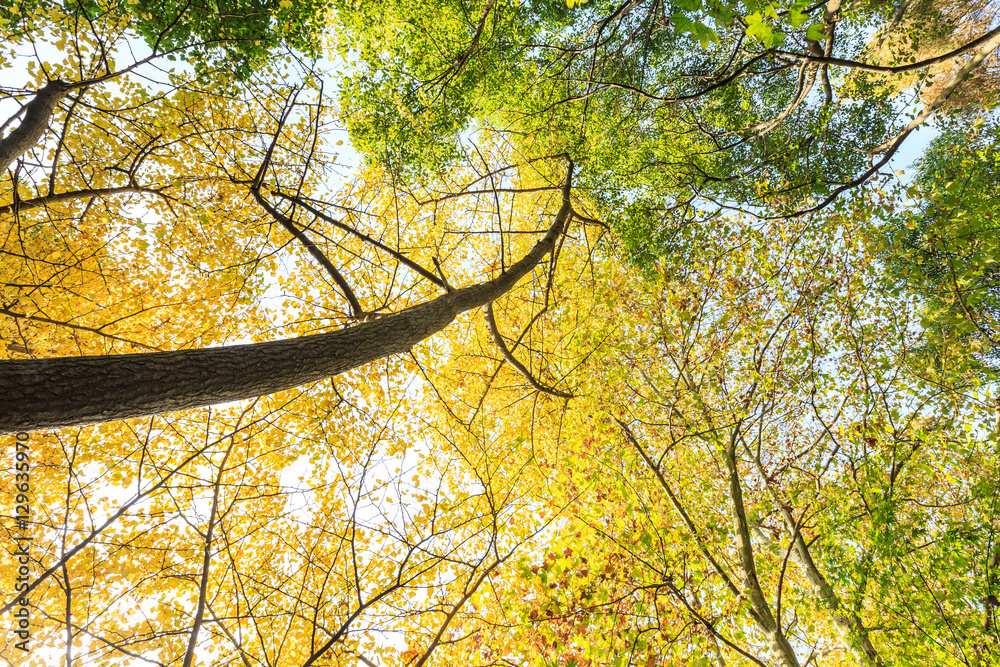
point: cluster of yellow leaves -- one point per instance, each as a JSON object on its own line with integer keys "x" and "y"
{"x": 770, "y": 333}
{"x": 433, "y": 508}
{"x": 337, "y": 523}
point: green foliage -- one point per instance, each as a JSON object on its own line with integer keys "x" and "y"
{"x": 234, "y": 35}
{"x": 679, "y": 103}
{"x": 946, "y": 248}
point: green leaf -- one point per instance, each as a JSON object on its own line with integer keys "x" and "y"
{"x": 796, "y": 17}
{"x": 758, "y": 29}
{"x": 815, "y": 32}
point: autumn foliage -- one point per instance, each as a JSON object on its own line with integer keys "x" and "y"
{"x": 711, "y": 380}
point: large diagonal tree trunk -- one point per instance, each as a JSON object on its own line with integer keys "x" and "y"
{"x": 34, "y": 123}
{"x": 52, "y": 393}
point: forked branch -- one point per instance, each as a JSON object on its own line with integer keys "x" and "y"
{"x": 52, "y": 393}
{"x": 491, "y": 324}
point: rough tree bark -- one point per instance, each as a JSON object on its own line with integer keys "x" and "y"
{"x": 36, "y": 120}
{"x": 40, "y": 394}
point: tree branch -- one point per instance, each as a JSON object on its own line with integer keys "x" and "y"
{"x": 199, "y": 615}
{"x": 760, "y": 609}
{"x": 946, "y": 92}
{"x": 37, "y": 318}
{"x": 36, "y": 120}
{"x": 52, "y": 393}
{"x": 866, "y": 67}
{"x": 681, "y": 512}
{"x": 491, "y": 324}
{"x": 314, "y": 250}
{"x": 47, "y": 200}
{"x": 401, "y": 258}
{"x": 850, "y": 626}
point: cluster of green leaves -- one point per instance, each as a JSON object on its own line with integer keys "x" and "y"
{"x": 945, "y": 246}
{"x": 669, "y": 107}
{"x": 236, "y": 36}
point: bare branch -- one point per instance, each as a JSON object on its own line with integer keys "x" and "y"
{"x": 199, "y": 615}
{"x": 398, "y": 256}
{"x": 899, "y": 69}
{"x": 314, "y": 250}
{"x": 491, "y": 324}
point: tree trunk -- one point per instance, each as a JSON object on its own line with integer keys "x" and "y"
{"x": 53, "y": 393}
{"x": 853, "y": 631}
{"x": 760, "y": 610}
{"x": 36, "y": 120}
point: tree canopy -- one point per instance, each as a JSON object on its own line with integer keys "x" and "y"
{"x": 638, "y": 333}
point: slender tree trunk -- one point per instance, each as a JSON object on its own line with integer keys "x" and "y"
{"x": 760, "y": 610}
{"x": 853, "y": 631}
{"x": 37, "y": 114}
{"x": 52, "y": 393}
